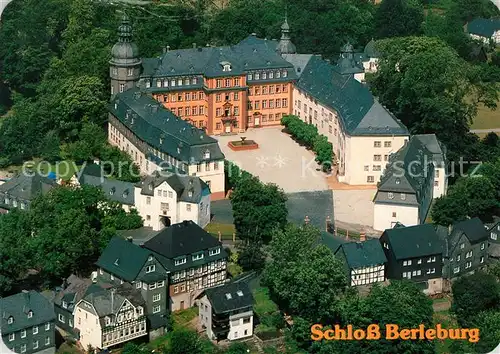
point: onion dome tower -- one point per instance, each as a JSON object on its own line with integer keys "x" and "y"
{"x": 125, "y": 64}
{"x": 285, "y": 45}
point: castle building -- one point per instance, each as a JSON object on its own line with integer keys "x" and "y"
{"x": 226, "y": 90}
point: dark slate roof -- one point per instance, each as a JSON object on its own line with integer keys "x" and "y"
{"x": 483, "y": 27}
{"x": 19, "y": 305}
{"x": 363, "y": 254}
{"x": 184, "y": 239}
{"x": 299, "y": 61}
{"x": 26, "y": 187}
{"x": 435, "y": 147}
{"x": 156, "y": 321}
{"x": 331, "y": 241}
{"x": 360, "y": 112}
{"x": 473, "y": 229}
{"x": 370, "y": 50}
{"x": 414, "y": 241}
{"x": 404, "y": 175}
{"x": 250, "y": 54}
{"x": 232, "y": 296}
{"x": 115, "y": 190}
{"x": 188, "y": 188}
{"x": 123, "y": 258}
{"x": 109, "y": 301}
{"x": 73, "y": 292}
{"x": 161, "y": 129}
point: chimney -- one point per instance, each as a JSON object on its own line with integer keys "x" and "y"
{"x": 362, "y": 237}
{"x": 194, "y": 45}
{"x": 130, "y": 239}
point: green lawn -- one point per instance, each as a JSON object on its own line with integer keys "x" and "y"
{"x": 226, "y": 230}
{"x": 486, "y": 118}
{"x": 263, "y": 303}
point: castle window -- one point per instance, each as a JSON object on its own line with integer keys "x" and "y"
{"x": 179, "y": 82}
{"x": 172, "y": 82}
{"x": 257, "y": 76}
{"x": 264, "y": 75}
{"x": 271, "y": 75}
{"x": 194, "y": 81}
{"x": 278, "y": 74}
{"x": 158, "y": 83}
{"x": 115, "y": 71}
{"x": 250, "y": 77}
{"x": 148, "y": 84}
{"x": 285, "y": 73}
{"x": 186, "y": 81}
{"x": 130, "y": 72}
{"x": 165, "y": 83}
{"x": 122, "y": 88}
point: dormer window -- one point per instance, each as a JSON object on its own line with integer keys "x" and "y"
{"x": 150, "y": 268}
{"x": 214, "y": 252}
{"x": 30, "y": 314}
{"x": 206, "y": 155}
{"x": 197, "y": 257}
{"x": 178, "y": 150}
{"x": 257, "y": 76}
{"x": 264, "y": 75}
{"x": 190, "y": 194}
{"x": 278, "y": 74}
{"x": 112, "y": 191}
{"x": 194, "y": 81}
{"x": 226, "y": 66}
{"x": 108, "y": 321}
{"x": 285, "y": 73}
{"x": 158, "y": 83}
{"x": 150, "y": 186}
{"x": 148, "y": 84}
{"x": 228, "y": 296}
{"x": 10, "y": 320}
{"x": 398, "y": 181}
{"x": 180, "y": 261}
{"x": 250, "y": 77}
{"x": 125, "y": 194}
{"x": 65, "y": 304}
{"x": 240, "y": 293}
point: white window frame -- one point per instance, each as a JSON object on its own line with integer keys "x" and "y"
{"x": 35, "y": 344}
{"x": 152, "y": 286}
{"x": 156, "y": 297}
{"x": 35, "y": 329}
{"x": 214, "y": 252}
{"x": 156, "y": 309}
{"x": 150, "y": 268}
{"x": 160, "y": 284}
{"x": 47, "y": 326}
{"x": 181, "y": 261}
{"x": 23, "y": 333}
{"x": 61, "y": 318}
{"x": 23, "y": 348}
{"x": 12, "y": 336}
{"x": 138, "y": 285}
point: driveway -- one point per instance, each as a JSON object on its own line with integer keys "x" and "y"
{"x": 278, "y": 160}
{"x": 354, "y": 209}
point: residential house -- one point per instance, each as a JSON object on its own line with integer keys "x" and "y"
{"x": 111, "y": 316}
{"x": 65, "y": 301}
{"x": 364, "y": 261}
{"x": 161, "y": 199}
{"x": 122, "y": 261}
{"x": 172, "y": 266}
{"x": 27, "y": 323}
{"x": 20, "y": 190}
{"x": 195, "y": 259}
{"x": 494, "y": 241}
{"x": 465, "y": 248}
{"x": 115, "y": 190}
{"x": 407, "y": 187}
{"x": 226, "y": 311}
{"x": 485, "y": 30}
{"x": 165, "y": 199}
{"x": 414, "y": 253}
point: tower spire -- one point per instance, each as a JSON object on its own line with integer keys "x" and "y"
{"x": 125, "y": 30}
{"x": 285, "y": 45}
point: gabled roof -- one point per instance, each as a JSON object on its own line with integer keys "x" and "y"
{"x": 26, "y": 186}
{"x": 123, "y": 258}
{"x": 231, "y": 296}
{"x": 473, "y": 229}
{"x": 73, "y": 292}
{"x": 410, "y": 171}
{"x": 414, "y": 241}
{"x": 19, "y": 305}
{"x": 163, "y": 130}
{"x": 182, "y": 239}
{"x": 363, "y": 254}
{"x": 250, "y": 54}
{"x": 483, "y": 27}
{"x": 360, "y": 113}
{"x": 189, "y": 189}
{"x": 108, "y": 301}
{"x": 370, "y": 50}
{"x": 115, "y": 190}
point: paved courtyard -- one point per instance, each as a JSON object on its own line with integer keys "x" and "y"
{"x": 354, "y": 209}
{"x": 278, "y": 160}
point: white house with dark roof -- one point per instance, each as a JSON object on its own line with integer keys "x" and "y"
{"x": 226, "y": 311}
{"x": 161, "y": 199}
{"x": 484, "y": 30}
{"x": 165, "y": 200}
{"x": 406, "y": 189}
{"x": 20, "y": 190}
{"x": 106, "y": 317}
{"x": 363, "y": 133}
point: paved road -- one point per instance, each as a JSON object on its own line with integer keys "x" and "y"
{"x": 482, "y": 131}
